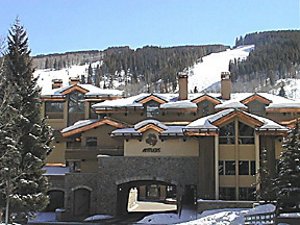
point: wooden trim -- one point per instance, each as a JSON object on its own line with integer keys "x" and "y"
{"x": 75, "y": 88}
{"x": 206, "y": 98}
{"x": 179, "y": 109}
{"x": 257, "y": 98}
{"x": 200, "y": 134}
{"x": 290, "y": 123}
{"x": 283, "y": 110}
{"x": 150, "y": 126}
{"x": 53, "y": 99}
{"x": 154, "y": 98}
{"x": 240, "y": 115}
{"x": 93, "y": 125}
{"x": 272, "y": 133}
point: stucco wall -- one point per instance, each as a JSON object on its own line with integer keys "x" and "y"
{"x": 178, "y": 146}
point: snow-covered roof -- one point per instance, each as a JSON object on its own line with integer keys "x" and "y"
{"x": 123, "y": 102}
{"x": 267, "y": 124}
{"x": 147, "y": 122}
{"x": 207, "y": 122}
{"x": 78, "y": 124}
{"x": 91, "y": 91}
{"x": 231, "y": 104}
{"x": 56, "y": 170}
{"x": 173, "y": 102}
{"x": 184, "y": 104}
{"x": 284, "y": 105}
{"x": 134, "y": 131}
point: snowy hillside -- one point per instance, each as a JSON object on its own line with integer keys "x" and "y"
{"x": 46, "y": 76}
{"x": 204, "y": 74}
{"x": 208, "y": 72}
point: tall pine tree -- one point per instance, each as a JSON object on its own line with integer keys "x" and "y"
{"x": 288, "y": 181}
{"x": 24, "y": 135}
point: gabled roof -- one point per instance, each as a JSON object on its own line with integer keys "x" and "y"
{"x": 206, "y": 97}
{"x": 145, "y": 125}
{"x": 256, "y": 97}
{"x": 152, "y": 97}
{"x": 85, "y": 125}
{"x": 212, "y": 123}
{"x": 72, "y": 88}
{"x": 87, "y": 89}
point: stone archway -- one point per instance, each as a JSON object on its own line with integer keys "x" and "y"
{"x": 123, "y": 190}
{"x": 56, "y": 200}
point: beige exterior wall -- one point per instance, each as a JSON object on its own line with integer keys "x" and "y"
{"x": 57, "y": 155}
{"x": 103, "y": 137}
{"x": 169, "y": 147}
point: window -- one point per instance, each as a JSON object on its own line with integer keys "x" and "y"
{"x": 75, "y": 107}
{"x": 227, "y": 193}
{"x": 246, "y": 193}
{"x": 91, "y": 141}
{"x": 246, "y": 134}
{"x": 75, "y": 166}
{"x": 227, "y": 134}
{"x": 247, "y": 168}
{"x": 54, "y": 110}
{"x": 152, "y": 110}
{"x": 243, "y": 167}
{"x": 226, "y": 167}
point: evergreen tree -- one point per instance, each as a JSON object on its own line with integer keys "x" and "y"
{"x": 282, "y": 91}
{"x": 266, "y": 190}
{"x": 24, "y": 136}
{"x": 288, "y": 181}
{"x": 90, "y": 74}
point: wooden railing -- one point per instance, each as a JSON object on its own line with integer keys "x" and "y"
{"x": 260, "y": 218}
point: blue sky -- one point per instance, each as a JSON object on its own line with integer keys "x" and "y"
{"x": 71, "y": 25}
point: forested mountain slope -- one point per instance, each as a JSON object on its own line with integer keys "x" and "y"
{"x": 276, "y": 56}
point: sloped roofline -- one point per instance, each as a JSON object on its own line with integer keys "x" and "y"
{"x": 241, "y": 115}
{"x": 257, "y": 97}
{"x": 72, "y": 88}
{"x": 97, "y": 123}
{"x": 152, "y": 97}
{"x": 206, "y": 97}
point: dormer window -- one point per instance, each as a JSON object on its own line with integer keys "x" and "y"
{"x": 152, "y": 109}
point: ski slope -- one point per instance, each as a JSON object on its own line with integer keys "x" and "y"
{"x": 208, "y": 72}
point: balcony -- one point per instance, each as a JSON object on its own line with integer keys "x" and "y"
{"x": 92, "y": 152}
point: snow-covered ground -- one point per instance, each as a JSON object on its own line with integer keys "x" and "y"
{"x": 208, "y": 72}
{"x": 210, "y": 217}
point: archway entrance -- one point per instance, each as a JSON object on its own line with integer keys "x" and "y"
{"x": 82, "y": 202}
{"x": 56, "y": 200}
{"x": 146, "y": 196}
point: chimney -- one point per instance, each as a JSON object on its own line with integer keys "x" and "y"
{"x": 57, "y": 83}
{"x": 226, "y": 85}
{"x": 74, "y": 80}
{"x": 183, "y": 85}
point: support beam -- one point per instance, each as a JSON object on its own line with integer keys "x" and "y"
{"x": 217, "y": 167}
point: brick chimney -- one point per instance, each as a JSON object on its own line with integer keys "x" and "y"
{"x": 57, "y": 83}
{"x": 226, "y": 85}
{"x": 74, "y": 80}
{"x": 183, "y": 86}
